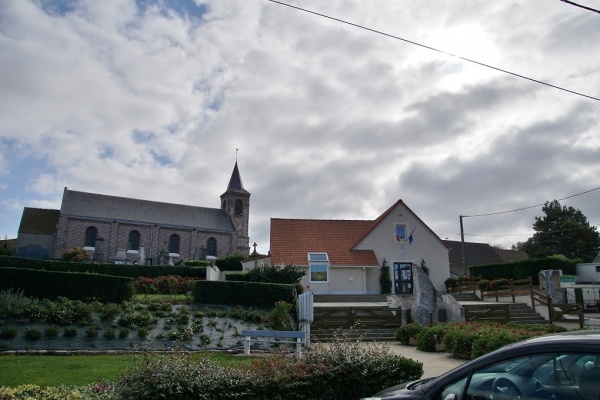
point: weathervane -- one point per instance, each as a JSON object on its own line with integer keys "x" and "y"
{"x": 236, "y": 151}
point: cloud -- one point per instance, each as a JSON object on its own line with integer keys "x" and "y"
{"x": 151, "y": 99}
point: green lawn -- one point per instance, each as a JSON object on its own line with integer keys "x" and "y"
{"x": 74, "y": 370}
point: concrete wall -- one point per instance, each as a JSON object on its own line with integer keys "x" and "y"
{"x": 345, "y": 280}
{"x": 587, "y": 272}
{"x": 45, "y": 244}
{"x": 425, "y": 246}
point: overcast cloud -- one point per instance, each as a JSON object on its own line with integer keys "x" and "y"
{"x": 151, "y": 98}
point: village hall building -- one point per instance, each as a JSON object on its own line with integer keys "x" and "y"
{"x": 138, "y": 231}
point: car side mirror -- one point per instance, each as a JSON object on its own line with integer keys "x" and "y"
{"x": 451, "y": 396}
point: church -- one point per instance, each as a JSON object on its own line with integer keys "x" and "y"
{"x": 120, "y": 229}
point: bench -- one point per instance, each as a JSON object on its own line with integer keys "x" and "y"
{"x": 294, "y": 337}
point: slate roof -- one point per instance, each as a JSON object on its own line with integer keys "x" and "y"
{"x": 293, "y": 239}
{"x": 479, "y": 254}
{"x": 235, "y": 182}
{"x": 39, "y": 221}
{"x": 123, "y": 209}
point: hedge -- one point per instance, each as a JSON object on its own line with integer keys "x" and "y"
{"x": 243, "y": 293}
{"x": 75, "y": 286}
{"x": 128, "y": 270}
{"x": 524, "y": 269}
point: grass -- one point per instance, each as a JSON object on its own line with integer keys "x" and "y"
{"x": 76, "y": 370}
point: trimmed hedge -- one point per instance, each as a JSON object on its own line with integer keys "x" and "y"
{"x": 75, "y": 286}
{"x": 243, "y": 293}
{"x": 523, "y": 269}
{"x": 128, "y": 270}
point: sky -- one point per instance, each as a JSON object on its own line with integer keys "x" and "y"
{"x": 156, "y": 99}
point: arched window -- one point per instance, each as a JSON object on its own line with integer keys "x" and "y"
{"x": 224, "y": 205}
{"x": 174, "y": 244}
{"x": 211, "y": 247}
{"x": 134, "y": 240}
{"x": 91, "y": 233}
{"x": 239, "y": 207}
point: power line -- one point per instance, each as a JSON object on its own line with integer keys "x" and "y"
{"x": 434, "y": 49}
{"x": 581, "y": 6}
{"x": 526, "y": 208}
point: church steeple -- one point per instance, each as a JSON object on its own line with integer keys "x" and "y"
{"x": 235, "y": 182}
{"x": 236, "y": 203}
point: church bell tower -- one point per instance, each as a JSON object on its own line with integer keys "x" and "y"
{"x": 236, "y": 203}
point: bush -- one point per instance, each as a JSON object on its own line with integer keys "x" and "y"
{"x": 51, "y": 331}
{"x": 12, "y": 303}
{"x": 279, "y": 318}
{"x": 26, "y": 392}
{"x": 8, "y": 332}
{"x": 33, "y": 334}
{"x": 70, "y": 332}
{"x": 341, "y": 370}
{"x": 407, "y": 332}
{"x": 243, "y": 293}
{"x": 76, "y": 254}
{"x": 109, "y": 334}
{"x": 50, "y": 284}
{"x": 91, "y": 332}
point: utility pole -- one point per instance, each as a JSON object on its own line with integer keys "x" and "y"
{"x": 462, "y": 243}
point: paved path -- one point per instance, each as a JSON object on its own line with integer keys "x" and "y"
{"x": 434, "y": 364}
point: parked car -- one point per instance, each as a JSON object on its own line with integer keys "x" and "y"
{"x": 560, "y": 366}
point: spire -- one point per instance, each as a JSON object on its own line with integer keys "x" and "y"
{"x": 235, "y": 183}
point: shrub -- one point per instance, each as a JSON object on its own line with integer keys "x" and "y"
{"x": 123, "y": 333}
{"x": 54, "y": 393}
{"x": 110, "y": 311}
{"x": 70, "y": 332}
{"x": 13, "y": 303}
{"x": 52, "y": 331}
{"x": 8, "y": 332}
{"x": 91, "y": 332}
{"x": 407, "y": 332}
{"x": 109, "y": 334}
{"x": 341, "y": 370}
{"x": 75, "y": 254}
{"x": 33, "y": 334}
{"x": 279, "y": 318}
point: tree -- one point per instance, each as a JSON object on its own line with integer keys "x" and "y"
{"x": 76, "y": 254}
{"x": 385, "y": 280}
{"x": 563, "y": 230}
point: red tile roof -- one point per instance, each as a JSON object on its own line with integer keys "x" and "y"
{"x": 293, "y": 239}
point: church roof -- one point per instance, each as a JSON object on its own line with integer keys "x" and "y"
{"x": 99, "y": 206}
{"x": 39, "y": 221}
{"x": 235, "y": 182}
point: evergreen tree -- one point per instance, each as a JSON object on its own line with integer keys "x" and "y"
{"x": 563, "y": 230}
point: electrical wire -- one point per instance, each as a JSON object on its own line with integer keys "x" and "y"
{"x": 526, "y": 208}
{"x": 433, "y": 49}
{"x": 581, "y": 6}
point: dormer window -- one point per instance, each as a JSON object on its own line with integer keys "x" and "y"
{"x": 318, "y": 264}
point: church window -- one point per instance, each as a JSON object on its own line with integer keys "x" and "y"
{"x": 134, "y": 240}
{"x": 239, "y": 207}
{"x": 91, "y": 234}
{"x": 211, "y": 247}
{"x": 224, "y": 205}
{"x": 174, "y": 244}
